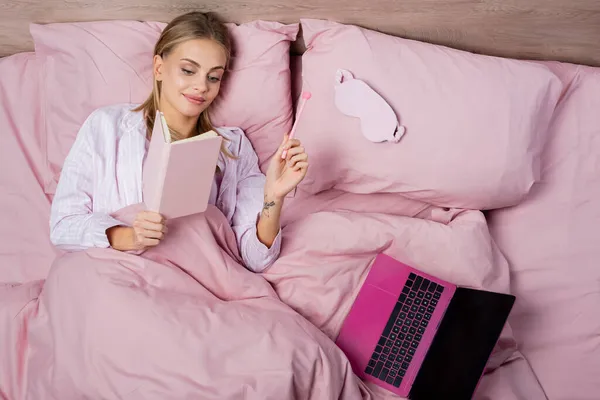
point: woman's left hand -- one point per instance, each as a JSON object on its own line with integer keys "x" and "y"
{"x": 284, "y": 175}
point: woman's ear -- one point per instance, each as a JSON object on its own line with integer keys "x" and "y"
{"x": 157, "y": 67}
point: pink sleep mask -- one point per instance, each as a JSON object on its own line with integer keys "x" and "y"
{"x": 355, "y": 98}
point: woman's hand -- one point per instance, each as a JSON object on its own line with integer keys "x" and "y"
{"x": 148, "y": 230}
{"x": 284, "y": 175}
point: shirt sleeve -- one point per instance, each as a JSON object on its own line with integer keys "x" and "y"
{"x": 250, "y": 193}
{"x": 73, "y": 224}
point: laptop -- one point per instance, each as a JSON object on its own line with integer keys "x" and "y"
{"x": 419, "y": 336}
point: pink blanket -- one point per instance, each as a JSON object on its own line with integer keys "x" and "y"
{"x": 186, "y": 318}
{"x": 183, "y": 319}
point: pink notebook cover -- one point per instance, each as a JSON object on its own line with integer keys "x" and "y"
{"x": 178, "y": 176}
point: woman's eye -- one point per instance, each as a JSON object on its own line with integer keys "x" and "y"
{"x": 213, "y": 79}
{"x": 186, "y": 71}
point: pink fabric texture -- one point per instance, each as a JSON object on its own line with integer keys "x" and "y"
{"x": 551, "y": 242}
{"x": 25, "y": 248}
{"x": 320, "y": 277}
{"x": 85, "y": 66}
{"x": 220, "y": 331}
{"x": 474, "y": 124}
{"x": 185, "y": 320}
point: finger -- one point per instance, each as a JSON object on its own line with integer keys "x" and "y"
{"x": 151, "y": 226}
{"x": 294, "y": 150}
{"x": 151, "y": 216}
{"x": 150, "y": 242}
{"x": 148, "y": 234}
{"x": 302, "y": 165}
{"x": 297, "y": 158}
{"x": 285, "y": 139}
{"x": 281, "y": 148}
{"x": 140, "y": 239}
{"x": 292, "y": 143}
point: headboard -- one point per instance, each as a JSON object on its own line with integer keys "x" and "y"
{"x": 564, "y": 30}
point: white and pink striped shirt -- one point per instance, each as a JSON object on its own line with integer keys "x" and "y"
{"x": 103, "y": 173}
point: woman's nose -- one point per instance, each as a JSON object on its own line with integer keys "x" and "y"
{"x": 200, "y": 85}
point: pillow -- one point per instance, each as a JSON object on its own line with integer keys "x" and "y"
{"x": 89, "y": 65}
{"x": 474, "y": 124}
{"x": 552, "y": 242}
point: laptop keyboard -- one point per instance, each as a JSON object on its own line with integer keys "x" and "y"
{"x": 404, "y": 330}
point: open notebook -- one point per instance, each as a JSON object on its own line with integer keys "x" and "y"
{"x": 178, "y": 176}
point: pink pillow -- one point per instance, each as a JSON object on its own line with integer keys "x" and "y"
{"x": 551, "y": 240}
{"x": 474, "y": 124}
{"x": 88, "y": 65}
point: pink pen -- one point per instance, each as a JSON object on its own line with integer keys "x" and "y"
{"x": 305, "y": 96}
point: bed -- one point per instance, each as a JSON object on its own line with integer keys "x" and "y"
{"x": 79, "y": 325}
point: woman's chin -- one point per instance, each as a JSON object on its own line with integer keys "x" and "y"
{"x": 191, "y": 110}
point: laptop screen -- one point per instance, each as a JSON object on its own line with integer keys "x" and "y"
{"x": 461, "y": 348}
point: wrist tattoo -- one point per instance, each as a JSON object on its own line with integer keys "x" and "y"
{"x": 267, "y": 205}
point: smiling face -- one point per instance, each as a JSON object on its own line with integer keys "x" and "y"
{"x": 190, "y": 76}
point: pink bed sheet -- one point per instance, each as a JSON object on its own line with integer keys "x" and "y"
{"x": 25, "y": 248}
{"x": 552, "y": 244}
{"x": 166, "y": 324}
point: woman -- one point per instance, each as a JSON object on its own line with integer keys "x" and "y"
{"x": 102, "y": 172}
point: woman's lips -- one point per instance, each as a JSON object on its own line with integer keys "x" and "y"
{"x": 194, "y": 99}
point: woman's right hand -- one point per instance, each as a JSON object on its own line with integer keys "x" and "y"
{"x": 149, "y": 228}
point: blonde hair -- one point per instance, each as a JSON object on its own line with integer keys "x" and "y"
{"x": 193, "y": 25}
